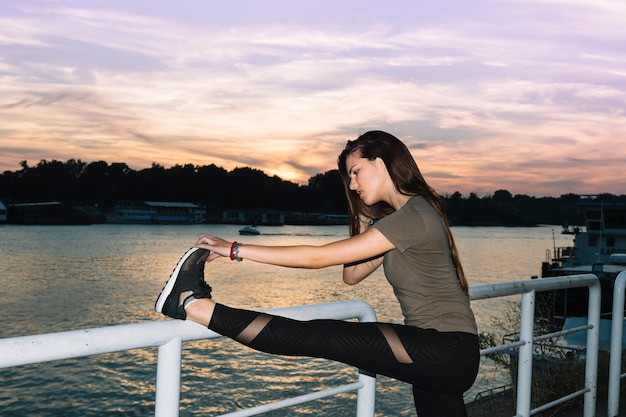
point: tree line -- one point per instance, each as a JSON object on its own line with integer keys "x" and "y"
{"x": 101, "y": 185}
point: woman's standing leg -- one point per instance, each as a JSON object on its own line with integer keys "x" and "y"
{"x": 435, "y": 404}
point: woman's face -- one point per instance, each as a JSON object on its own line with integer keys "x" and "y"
{"x": 367, "y": 178}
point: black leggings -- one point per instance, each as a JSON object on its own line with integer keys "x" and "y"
{"x": 439, "y": 365}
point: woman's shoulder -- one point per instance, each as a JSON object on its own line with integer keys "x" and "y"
{"x": 418, "y": 207}
{"x": 419, "y": 203}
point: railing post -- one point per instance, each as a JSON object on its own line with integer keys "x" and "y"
{"x": 591, "y": 360}
{"x": 525, "y": 360}
{"x": 168, "y": 379}
{"x": 366, "y": 395}
{"x": 617, "y": 328}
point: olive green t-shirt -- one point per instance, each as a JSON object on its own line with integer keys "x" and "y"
{"x": 421, "y": 271}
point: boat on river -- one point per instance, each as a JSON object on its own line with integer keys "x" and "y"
{"x": 249, "y": 231}
{"x": 599, "y": 248}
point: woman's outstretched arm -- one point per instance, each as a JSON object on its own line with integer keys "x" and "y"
{"x": 365, "y": 246}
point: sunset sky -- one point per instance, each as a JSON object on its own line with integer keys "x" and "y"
{"x": 527, "y": 96}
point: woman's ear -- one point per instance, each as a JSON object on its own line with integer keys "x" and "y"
{"x": 380, "y": 163}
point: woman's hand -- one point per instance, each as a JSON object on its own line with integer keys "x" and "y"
{"x": 218, "y": 247}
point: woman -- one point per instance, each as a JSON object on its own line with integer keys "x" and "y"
{"x": 396, "y": 220}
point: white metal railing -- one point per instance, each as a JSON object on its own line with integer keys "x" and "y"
{"x": 526, "y": 341}
{"x": 617, "y": 330}
{"x": 168, "y": 335}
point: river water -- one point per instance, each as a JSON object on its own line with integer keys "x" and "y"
{"x": 59, "y": 278}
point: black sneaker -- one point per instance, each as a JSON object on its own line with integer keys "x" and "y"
{"x": 187, "y": 280}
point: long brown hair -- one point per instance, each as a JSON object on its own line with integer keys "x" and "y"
{"x": 405, "y": 176}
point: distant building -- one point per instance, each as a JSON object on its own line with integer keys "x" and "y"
{"x": 157, "y": 212}
{"x": 48, "y": 212}
{"x": 321, "y": 219}
{"x": 258, "y": 217}
{"x": 3, "y": 212}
